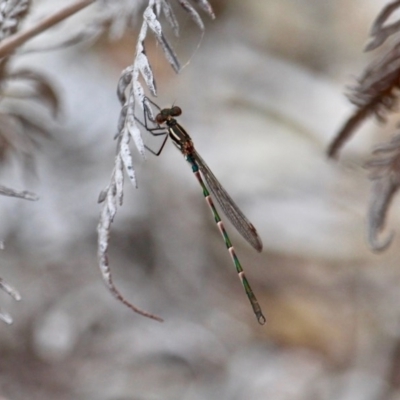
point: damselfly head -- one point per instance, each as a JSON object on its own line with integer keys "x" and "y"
{"x": 167, "y": 113}
{"x": 175, "y": 111}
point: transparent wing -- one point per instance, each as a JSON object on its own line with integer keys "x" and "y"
{"x": 228, "y": 206}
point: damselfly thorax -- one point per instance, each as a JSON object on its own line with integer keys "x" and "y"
{"x": 180, "y": 138}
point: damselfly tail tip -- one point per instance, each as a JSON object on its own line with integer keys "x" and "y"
{"x": 260, "y": 318}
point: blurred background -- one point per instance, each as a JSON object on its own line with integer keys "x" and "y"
{"x": 262, "y": 96}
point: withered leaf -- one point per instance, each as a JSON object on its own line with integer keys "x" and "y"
{"x": 385, "y": 175}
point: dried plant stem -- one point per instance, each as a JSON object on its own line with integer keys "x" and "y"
{"x": 10, "y": 44}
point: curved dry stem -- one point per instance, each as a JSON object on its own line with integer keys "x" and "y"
{"x": 347, "y": 131}
{"x": 109, "y": 198}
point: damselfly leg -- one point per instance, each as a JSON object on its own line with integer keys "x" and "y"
{"x": 156, "y": 131}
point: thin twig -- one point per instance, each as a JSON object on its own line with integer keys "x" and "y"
{"x": 10, "y": 44}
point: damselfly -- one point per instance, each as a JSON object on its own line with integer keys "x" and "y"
{"x": 184, "y": 143}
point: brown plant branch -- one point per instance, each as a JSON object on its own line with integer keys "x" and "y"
{"x": 347, "y": 130}
{"x": 8, "y": 45}
{"x": 375, "y": 94}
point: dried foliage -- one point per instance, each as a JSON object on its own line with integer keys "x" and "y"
{"x": 379, "y": 33}
{"x": 22, "y": 91}
{"x": 4, "y": 316}
{"x": 5, "y": 191}
{"x": 377, "y": 93}
{"x": 6, "y": 287}
{"x": 385, "y": 175}
{"x": 17, "y": 126}
{"x": 26, "y": 98}
{"x": 130, "y": 89}
{"x": 11, "y": 14}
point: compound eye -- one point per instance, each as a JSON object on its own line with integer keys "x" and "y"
{"x": 176, "y": 111}
{"x": 160, "y": 119}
